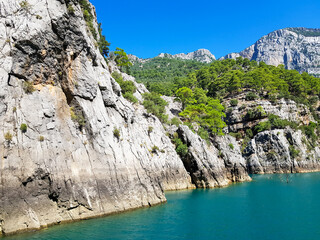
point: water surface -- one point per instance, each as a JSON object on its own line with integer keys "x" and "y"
{"x": 267, "y": 208}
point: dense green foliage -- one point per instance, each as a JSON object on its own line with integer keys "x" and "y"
{"x": 155, "y": 105}
{"x": 181, "y": 148}
{"x": 127, "y": 87}
{"x": 229, "y": 77}
{"x": 88, "y": 16}
{"x": 208, "y": 115}
{"x": 274, "y": 122}
{"x": 162, "y": 75}
{"x": 201, "y": 91}
{"x": 121, "y": 59}
{"x": 103, "y": 43}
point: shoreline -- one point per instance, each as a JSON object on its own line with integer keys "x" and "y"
{"x": 44, "y": 227}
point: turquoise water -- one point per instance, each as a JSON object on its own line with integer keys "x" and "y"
{"x": 267, "y": 208}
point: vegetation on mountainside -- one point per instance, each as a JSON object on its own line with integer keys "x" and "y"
{"x": 229, "y": 77}
{"x": 155, "y": 105}
{"x": 122, "y": 60}
{"x": 127, "y": 87}
{"x": 102, "y": 43}
{"x": 159, "y": 74}
{"x": 306, "y": 32}
{"x": 201, "y": 91}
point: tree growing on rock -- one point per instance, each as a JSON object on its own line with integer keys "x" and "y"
{"x": 122, "y": 60}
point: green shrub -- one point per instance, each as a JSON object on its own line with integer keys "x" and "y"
{"x": 129, "y": 96}
{"x": 28, "y": 87}
{"x": 255, "y": 113}
{"x": 24, "y": 5}
{"x": 155, "y": 105}
{"x": 88, "y": 17}
{"x": 155, "y": 149}
{"x": 204, "y": 135}
{"x": 23, "y": 127}
{"x": 229, "y": 110}
{"x": 127, "y": 87}
{"x": 262, "y": 126}
{"x": 150, "y": 129}
{"x": 71, "y": 9}
{"x": 236, "y": 135}
{"x": 181, "y": 148}
{"x": 293, "y": 152}
{"x": 77, "y": 117}
{"x": 249, "y": 133}
{"x": 8, "y": 136}
{"x": 175, "y": 121}
{"x": 116, "y": 133}
{"x": 233, "y": 102}
{"x": 231, "y": 146}
{"x": 251, "y": 96}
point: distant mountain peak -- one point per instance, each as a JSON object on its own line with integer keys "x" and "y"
{"x": 201, "y": 55}
{"x": 295, "y": 48}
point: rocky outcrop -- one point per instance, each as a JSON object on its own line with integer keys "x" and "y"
{"x": 281, "y": 151}
{"x": 85, "y": 151}
{"x": 201, "y": 55}
{"x": 72, "y": 147}
{"x": 246, "y": 114}
{"x": 213, "y": 165}
{"x": 295, "y": 48}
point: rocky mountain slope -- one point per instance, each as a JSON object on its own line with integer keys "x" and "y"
{"x": 71, "y": 146}
{"x": 201, "y": 55}
{"x": 296, "y": 48}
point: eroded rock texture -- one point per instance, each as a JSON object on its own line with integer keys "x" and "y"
{"x": 70, "y": 164}
{"x": 215, "y": 164}
{"x": 295, "y": 48}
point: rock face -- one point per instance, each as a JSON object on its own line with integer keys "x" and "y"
{"x": 213, "y": 166}
{"x": 281, "y": 151}
{"x": 239, "y": 118}
{"x": 201, "y": 55}
{"x": 72, "y": 147}
{"x": 86, "y": 150}
{"x": 296, "y": 48}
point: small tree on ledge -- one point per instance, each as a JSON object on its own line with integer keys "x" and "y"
{"x": 122, "y": 59}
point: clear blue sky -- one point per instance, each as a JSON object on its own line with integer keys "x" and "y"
{"x": 148, "y": 27}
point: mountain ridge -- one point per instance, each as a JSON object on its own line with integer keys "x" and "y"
{"x": 201, "y": 55}
{"x": 295, "y": 48}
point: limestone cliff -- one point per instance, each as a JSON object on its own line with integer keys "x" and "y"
{"x": 72, "y": 147}
{"x": 296, "y": 48}
{"x": 82, "y": 150}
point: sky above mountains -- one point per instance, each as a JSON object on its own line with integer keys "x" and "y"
{"x": 146, "y": 28}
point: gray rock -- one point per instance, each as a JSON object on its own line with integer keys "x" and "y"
{"x": 295, "y": 48}
{"x": 201, "y": 55}
{"x": 79, "y": 168}
{"x": 281, "y": 151}
{"x": 213, "y": 165}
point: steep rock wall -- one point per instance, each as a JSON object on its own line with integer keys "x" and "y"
{"x": 295, "y": 48}
{"x": 70, "y": 164}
